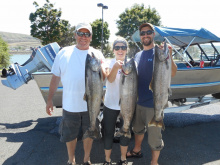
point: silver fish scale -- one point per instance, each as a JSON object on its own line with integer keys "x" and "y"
{"x": 161, "y": 81}
{"x": 94, "y": 91}
{"x": 128, "y": 97}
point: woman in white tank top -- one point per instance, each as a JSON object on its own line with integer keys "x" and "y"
{"x": 111, "y": 108}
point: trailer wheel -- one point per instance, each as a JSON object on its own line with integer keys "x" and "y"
{"x": 216, "y": 95}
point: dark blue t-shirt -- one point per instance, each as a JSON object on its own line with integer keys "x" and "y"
{"x": 145, "y": 69}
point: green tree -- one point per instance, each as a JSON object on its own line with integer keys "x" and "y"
{"x": 131, "y": 19}
{"x": 97, "y": 33}
{"x": 68, "y": 37}
{"x": 46, "y": 24}
{"x": 4, "y": 54}
{"x": 108, "y": 52}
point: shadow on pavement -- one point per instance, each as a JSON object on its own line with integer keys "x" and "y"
{"x": 17, "y": 125}
{"x": 193, "y": 143}
{"x": 38, "y": 145}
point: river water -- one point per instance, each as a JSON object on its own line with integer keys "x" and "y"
{"x": 19, "y": 58}
{"x": 22, "y": 58}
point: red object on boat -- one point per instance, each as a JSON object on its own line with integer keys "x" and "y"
{"x": 201, "y": 64}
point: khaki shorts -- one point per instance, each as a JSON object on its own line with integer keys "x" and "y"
{"x": 71, "y": 123}
{"x": 142, "y": 117}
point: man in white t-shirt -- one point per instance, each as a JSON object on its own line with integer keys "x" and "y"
{"x": 69, "y": 67}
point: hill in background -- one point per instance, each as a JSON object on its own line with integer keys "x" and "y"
{"x": 19, "y": 43}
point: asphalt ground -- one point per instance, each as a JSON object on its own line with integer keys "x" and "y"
{"x": 29, "y": 136}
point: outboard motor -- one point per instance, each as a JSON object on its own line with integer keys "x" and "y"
{"x": 18, "y": 75}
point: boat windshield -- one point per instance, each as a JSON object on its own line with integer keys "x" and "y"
{"x": 209, "y": 53}
{"x": 190, "y": 46}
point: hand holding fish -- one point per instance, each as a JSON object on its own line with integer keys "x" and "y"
{"x": 118, "y": 64}
{"x": 112, "y": 74}
{"x": 161, "y": 46}
{"x": 173, "y": 65}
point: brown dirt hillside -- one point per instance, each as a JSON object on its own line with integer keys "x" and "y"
{"x": 19, "y": 43}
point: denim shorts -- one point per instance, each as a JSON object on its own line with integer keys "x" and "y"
{"x": 71, "y": 123}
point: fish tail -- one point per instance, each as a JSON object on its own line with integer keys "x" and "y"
{"x": 127, "y": 134}
{"x": 161, "y": 125}
{"x": 121, "y": 132}
{"x": 93, "y": 134}
{"x": 154, "y": 123}
{"x": 118, "y": 134}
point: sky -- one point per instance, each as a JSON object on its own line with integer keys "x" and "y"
{"x": 191, "y": 14}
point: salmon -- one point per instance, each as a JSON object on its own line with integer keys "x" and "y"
{"x": 93, "y": 94}
{"x": 128, "y": 95}
{"x": 160, "y": 84}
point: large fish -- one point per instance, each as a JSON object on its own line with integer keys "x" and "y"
{"x": 160, "y": 84}
{"x": 93, "y": 93}
{"x": 128, "y": 95}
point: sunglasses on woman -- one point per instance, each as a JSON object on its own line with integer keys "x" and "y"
{"x": 149, "y": 32}
{"x": 120, "y": 47}
{"x": 83, "y": 34}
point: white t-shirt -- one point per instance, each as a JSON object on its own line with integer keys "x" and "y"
{"x": 112, "y": 95}
{"x": 69, "y": 64}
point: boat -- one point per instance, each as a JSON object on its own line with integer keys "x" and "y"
{"x": 37, "y": 67}
{"x": 43, "y": 81}
{"x": 191, "y": 80}
{"x": 41, "y": 59}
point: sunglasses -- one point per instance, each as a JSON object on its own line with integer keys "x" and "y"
{"x": 149, "y": 32}
{"x": 83, "y": 34}
{"x": 122, "y": 47}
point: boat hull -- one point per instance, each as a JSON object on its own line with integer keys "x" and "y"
{"x": 195, "y": 82}
{"x": 43, "y": 81}
{"x": 189, "y": 82}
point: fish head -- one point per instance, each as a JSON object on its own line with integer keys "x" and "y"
{"x": 93, "y": 62}
{"x": 127, "y": 67}
{"x": 162, "y": 54}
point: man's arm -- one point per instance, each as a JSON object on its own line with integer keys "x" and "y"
{"x": 53, "y": 87}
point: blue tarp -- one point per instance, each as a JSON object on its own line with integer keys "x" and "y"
{"x": 181, "y": 37}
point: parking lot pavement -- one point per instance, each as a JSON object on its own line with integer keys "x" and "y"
{"x": 29, "y": 136}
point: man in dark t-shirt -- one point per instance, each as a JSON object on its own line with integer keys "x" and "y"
{"x": 145, "y": 104}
